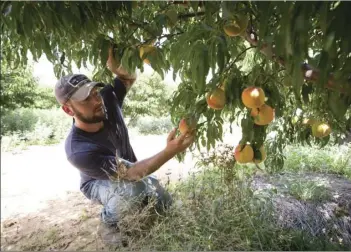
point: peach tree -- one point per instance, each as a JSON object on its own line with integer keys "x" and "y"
{"x": 233, "y": 58}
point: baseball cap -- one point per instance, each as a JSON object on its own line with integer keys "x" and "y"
{"x": 74, "y": 86}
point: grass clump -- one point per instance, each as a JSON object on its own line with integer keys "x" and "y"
{"x": 209, "y": 214}
{"x": 330, "y": 159}
{"x": 217, "y": 209}
{"x": 309, "y": 190}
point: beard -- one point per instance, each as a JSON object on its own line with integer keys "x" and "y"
{"x": 96, "y": 118}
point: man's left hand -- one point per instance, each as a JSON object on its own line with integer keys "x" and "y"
{"x": 115, "y": 67}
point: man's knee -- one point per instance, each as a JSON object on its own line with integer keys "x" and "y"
{"x": 163, "y": 197}
{"x": 118, "y": 206}
{"x": 128, "y": 189}
{"x": 137, "y": 192}
{"x": 110, "y": 213}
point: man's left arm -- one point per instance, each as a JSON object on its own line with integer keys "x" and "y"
{"x": 126, "y": 78}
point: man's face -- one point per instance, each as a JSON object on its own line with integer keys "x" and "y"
{"x": 91, "y": 110}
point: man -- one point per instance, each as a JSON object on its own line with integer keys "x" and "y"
{"x": 98, "y": 145}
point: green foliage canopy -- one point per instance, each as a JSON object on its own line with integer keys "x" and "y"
{"x": 189, "y": 38}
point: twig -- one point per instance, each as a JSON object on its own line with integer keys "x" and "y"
{"x": 237, "y": 57}
{"x": 200, "y": 124}
{"x": 163, "y": 36}
{"x": 189, "y": 15}
{"x": 171, "y": 35}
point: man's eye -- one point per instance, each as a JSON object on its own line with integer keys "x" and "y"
{"x": 96, "y": 94}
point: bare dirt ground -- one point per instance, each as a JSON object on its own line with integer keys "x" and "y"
{"x": 42, "y": 207}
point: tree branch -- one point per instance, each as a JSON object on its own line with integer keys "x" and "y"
{"x": 309, "y": 72}
{"x": 163, "y": 36}
{"x": 171, "y": 35}
{"x": 246, "y": 49}
{"x": 189, "y": 15}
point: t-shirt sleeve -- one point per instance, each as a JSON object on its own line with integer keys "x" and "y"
{"x": 99, "y": 166}
{"x": 120, "y": 90}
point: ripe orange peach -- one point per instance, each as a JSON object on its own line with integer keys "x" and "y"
{"x": 244, "y": 155}
{"x": 253, "y": 97}
{"x": 320, "y": 130}
{"x": 216, "y": 99}
{"x": 148, "y": 49}
{"x": 187, "y": 125}
{"x": 265, "y": 115}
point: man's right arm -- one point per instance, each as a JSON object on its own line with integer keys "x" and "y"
{"x": 107, "y": 167}
{"x": 147, "y": 166}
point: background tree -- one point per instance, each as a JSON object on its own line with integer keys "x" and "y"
{"x": 298, "y": 53}
{"x": 19, "y": 89}
{"x": 148, "y": 97}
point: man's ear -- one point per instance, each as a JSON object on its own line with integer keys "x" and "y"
{"x": 67, "y": 110}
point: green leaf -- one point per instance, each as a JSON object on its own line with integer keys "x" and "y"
{"x": 105, "y": 45}
{"x": 323, "y": 69}
{"x": 247, "y": 129}
{"x": 265, "y": 17}
{"x": 329, "y": 40}
{"x": 337, "y": 105}
{"x": 306, "y": 91}
{"x": 203, "y": 141}
{"x": 259, "y": 134}
{"x": 324, "y": 141}
{"x": 27, "y": 20}
{"x": 96, "y": 46}
{"x": 194, "y": 5}
{"x": 323, "y": 20}
{"x": 297, "y": 82}
{"x": 306, "y": 136}
{"x": 220, "y": 54}
{"x": 172, "y": 17}
{"x": 47, "y": 48}
{"x": 212, "y": 53}
{"x": 226, "y": 13}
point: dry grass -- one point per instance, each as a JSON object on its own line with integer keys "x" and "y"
{"x": 230, "y": 207}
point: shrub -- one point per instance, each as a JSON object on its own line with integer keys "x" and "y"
{"x": 18, "y": 120}
{"x": 22, "y": 127}
{"x": 153, "y": 125}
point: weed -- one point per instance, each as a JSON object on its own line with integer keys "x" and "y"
{"x": 309, "y": 190}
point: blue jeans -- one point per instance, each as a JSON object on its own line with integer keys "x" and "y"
{"x": 119, "y": 198}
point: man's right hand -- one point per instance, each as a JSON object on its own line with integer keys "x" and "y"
{"x": 179, "y": 144}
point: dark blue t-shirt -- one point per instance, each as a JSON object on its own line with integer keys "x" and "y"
{"x": 94, "y": 154}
